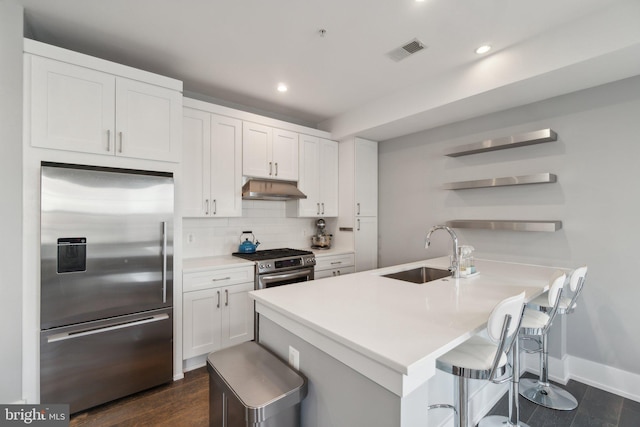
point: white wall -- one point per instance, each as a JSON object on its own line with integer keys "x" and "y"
{"x": 596, "y": 159}
{"x": 11, "y": 192}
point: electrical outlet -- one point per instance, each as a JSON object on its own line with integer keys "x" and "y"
{"x": 294, "y": 358}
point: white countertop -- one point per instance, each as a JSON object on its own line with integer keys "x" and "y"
{"x": 400, "y": 326}
{"x": 331, "y": 251}
{"x": 192, "y": 265}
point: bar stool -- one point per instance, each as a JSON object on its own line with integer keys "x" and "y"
{"x": 540, "y": 391}
{"x": 481, "y": 358}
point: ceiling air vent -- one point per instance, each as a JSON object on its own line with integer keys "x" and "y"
{"x": 407, "y": 49}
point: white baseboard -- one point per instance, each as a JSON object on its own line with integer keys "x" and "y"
{"x": 613, "y": 380}
{"x": 194, "y": 363}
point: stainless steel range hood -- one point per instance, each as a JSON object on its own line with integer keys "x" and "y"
{"x": 264, "y": 189}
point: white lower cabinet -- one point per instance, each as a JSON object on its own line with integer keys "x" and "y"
{"x": 219, "y": 316}
{"x": 334, "y": 265}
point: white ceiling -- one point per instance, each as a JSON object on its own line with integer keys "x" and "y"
{"x": 236, "y": 51}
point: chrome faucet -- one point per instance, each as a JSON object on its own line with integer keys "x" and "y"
{"x": 455, "y": 263}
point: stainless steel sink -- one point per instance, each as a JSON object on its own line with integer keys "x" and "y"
{"x": 419, "y": 275}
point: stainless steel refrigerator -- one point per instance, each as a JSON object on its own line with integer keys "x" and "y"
{"x": 106, "y": 283}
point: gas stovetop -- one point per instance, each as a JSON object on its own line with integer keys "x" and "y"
{"x": 272, "y": 254}
{"x": 270, "y": 260}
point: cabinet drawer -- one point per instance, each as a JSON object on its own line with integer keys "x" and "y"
{"x": 334, "y": 272}
{"x": 217, "y": 278}
{"x": 334, "y": 261}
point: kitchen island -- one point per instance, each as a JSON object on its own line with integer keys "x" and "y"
{"x": 368, "y": 343}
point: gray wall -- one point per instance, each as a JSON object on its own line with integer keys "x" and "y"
{"x": 597, "y": 197}
{"x": 11, "y": 195}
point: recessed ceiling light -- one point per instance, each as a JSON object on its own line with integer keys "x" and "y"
{"x": 483, "y": 49}
{"x": 282, "y": 87}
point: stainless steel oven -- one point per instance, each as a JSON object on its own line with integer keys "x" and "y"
{"x": 277, "y": 267}
{"x": 269, "y": 280}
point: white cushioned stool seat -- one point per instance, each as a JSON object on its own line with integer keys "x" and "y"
{"x": 542, "y": 303}
{"x": 533, "y": 320}
{"x": 477, "y": 354}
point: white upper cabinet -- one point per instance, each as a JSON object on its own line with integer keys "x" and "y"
{"x": 329, "y": 177}
{"x": 366, "y": 178}
{"x": 358, "y": 180}
{"x": 285, "y": 154}
{"x": 269, "y": 152}
{"x": 148, "y": 121}
{"x": 72, "y": 108}
{"x": 77, "y": 108}
{"x": 318, "y": 178}
{"x": 211, "y": 165}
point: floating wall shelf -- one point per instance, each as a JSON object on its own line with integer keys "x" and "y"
{"x": 508, "y": 225}
{"x": 539, "y": 178}
{"x": 529, "y": 138}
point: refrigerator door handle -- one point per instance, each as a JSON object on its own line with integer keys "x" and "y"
{"x": 164, "y": 262}
{"x": 92, "y": 331}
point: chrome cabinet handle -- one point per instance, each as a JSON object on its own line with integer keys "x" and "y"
{"x": 336, "y": 262}
{"x": 276, "y": 168}
{"x": 270, "y": 168}
{"x": 317, "y": 208}
{"x": 338, "y": 272}
{"x": 322, "y": 208}
{"x": 164, "y": 262}
{"x": 206, "y": 206}
{"x": 108, "y": 139}
{"x": 221, "y": 279}
{"x": 358, "y": 224}
{"x": 218, "y": 304}
{"x": 120, "y": 149}
{"x": 358, "y": 205}
{"x": 215, "y": 206}
{"x": 226, "y": 297}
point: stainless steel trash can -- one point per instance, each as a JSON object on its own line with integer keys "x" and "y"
{"x": 251, "y": 387}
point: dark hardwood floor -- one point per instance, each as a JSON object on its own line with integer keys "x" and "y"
{"x": 180, "y": 403}
{"x": 186, "y": 403}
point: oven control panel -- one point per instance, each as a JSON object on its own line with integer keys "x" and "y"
{"x": 284, "y": 264}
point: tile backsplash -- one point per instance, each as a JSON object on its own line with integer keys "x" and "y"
{"x": 203, "y": 237}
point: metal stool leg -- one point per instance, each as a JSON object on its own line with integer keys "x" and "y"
{"x": 514, "y": 406}
{"x": 542, "y": 392}
{"x": 460, "y": 403}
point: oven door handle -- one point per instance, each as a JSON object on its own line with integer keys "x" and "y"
{"x": 269, "y": 278}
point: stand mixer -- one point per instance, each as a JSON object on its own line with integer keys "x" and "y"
{"x": 321, "y": 240}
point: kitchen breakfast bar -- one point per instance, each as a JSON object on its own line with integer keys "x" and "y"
{"x": 368, "y": 344}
